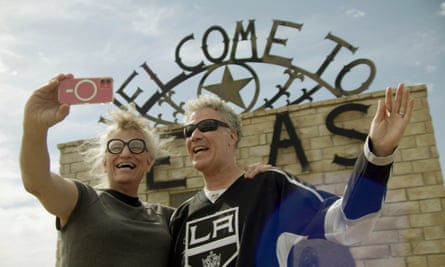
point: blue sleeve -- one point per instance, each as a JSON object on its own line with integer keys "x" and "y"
{"x": 366, "y": 188}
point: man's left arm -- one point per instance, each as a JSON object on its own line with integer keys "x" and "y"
{"x": 352, "y": 218}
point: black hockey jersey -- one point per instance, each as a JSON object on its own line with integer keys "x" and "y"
{"x": 255, "y": 222}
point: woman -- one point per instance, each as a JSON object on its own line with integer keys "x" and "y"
{"x": 109, "y": 228}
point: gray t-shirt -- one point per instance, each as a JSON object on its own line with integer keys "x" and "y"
{"x": 105, "y": 231}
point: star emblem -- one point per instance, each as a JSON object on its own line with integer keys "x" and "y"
{"x": 229, "y": 89}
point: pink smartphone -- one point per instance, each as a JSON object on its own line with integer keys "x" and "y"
{"x": 86, "y": 90}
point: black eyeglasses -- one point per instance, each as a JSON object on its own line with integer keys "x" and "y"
{"x": 136, "y": 146}
{"x": 204, "y": 126}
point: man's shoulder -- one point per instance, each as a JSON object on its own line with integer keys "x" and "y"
{"x": 275, "y": 175}
{"x": 197, "y": 199}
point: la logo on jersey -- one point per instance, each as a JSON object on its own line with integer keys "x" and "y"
{"x": 212, "y": 241}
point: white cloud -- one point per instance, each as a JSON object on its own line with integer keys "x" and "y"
{"x": 442, "y": 9}
{"x": 7, "y": 53}
{"x": 3, "y": 67}
{"x": 355, "y": 13}
{"x": 29, "y": 237}
{"x": 150, "y": 20}
{"x": 27, "y": 10}
{"x": 431, "y": 68}
{"x": 44, "y": 58}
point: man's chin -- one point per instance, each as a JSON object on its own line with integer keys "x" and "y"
{"x": 199, "y": 165}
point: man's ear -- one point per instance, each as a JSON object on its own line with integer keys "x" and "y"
{"x": 234, "y": 136}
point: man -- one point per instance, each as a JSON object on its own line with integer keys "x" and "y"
{"x": 255, "y": 222}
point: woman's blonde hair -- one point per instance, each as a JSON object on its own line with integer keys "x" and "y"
{"x": 125, "y": 118}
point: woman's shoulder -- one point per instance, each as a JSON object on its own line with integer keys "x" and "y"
{"x": 159, "y": 209}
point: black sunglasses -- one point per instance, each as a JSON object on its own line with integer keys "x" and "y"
{"x": 204, "y": 126}
{"x": 136, "y": 146}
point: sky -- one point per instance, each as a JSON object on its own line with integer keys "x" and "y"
{"x": 38, "y": 39}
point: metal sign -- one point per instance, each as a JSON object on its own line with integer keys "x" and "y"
{"x": 242, "y": 91}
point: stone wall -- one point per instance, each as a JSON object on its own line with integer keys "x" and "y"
{"x": 411, "y": 230}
